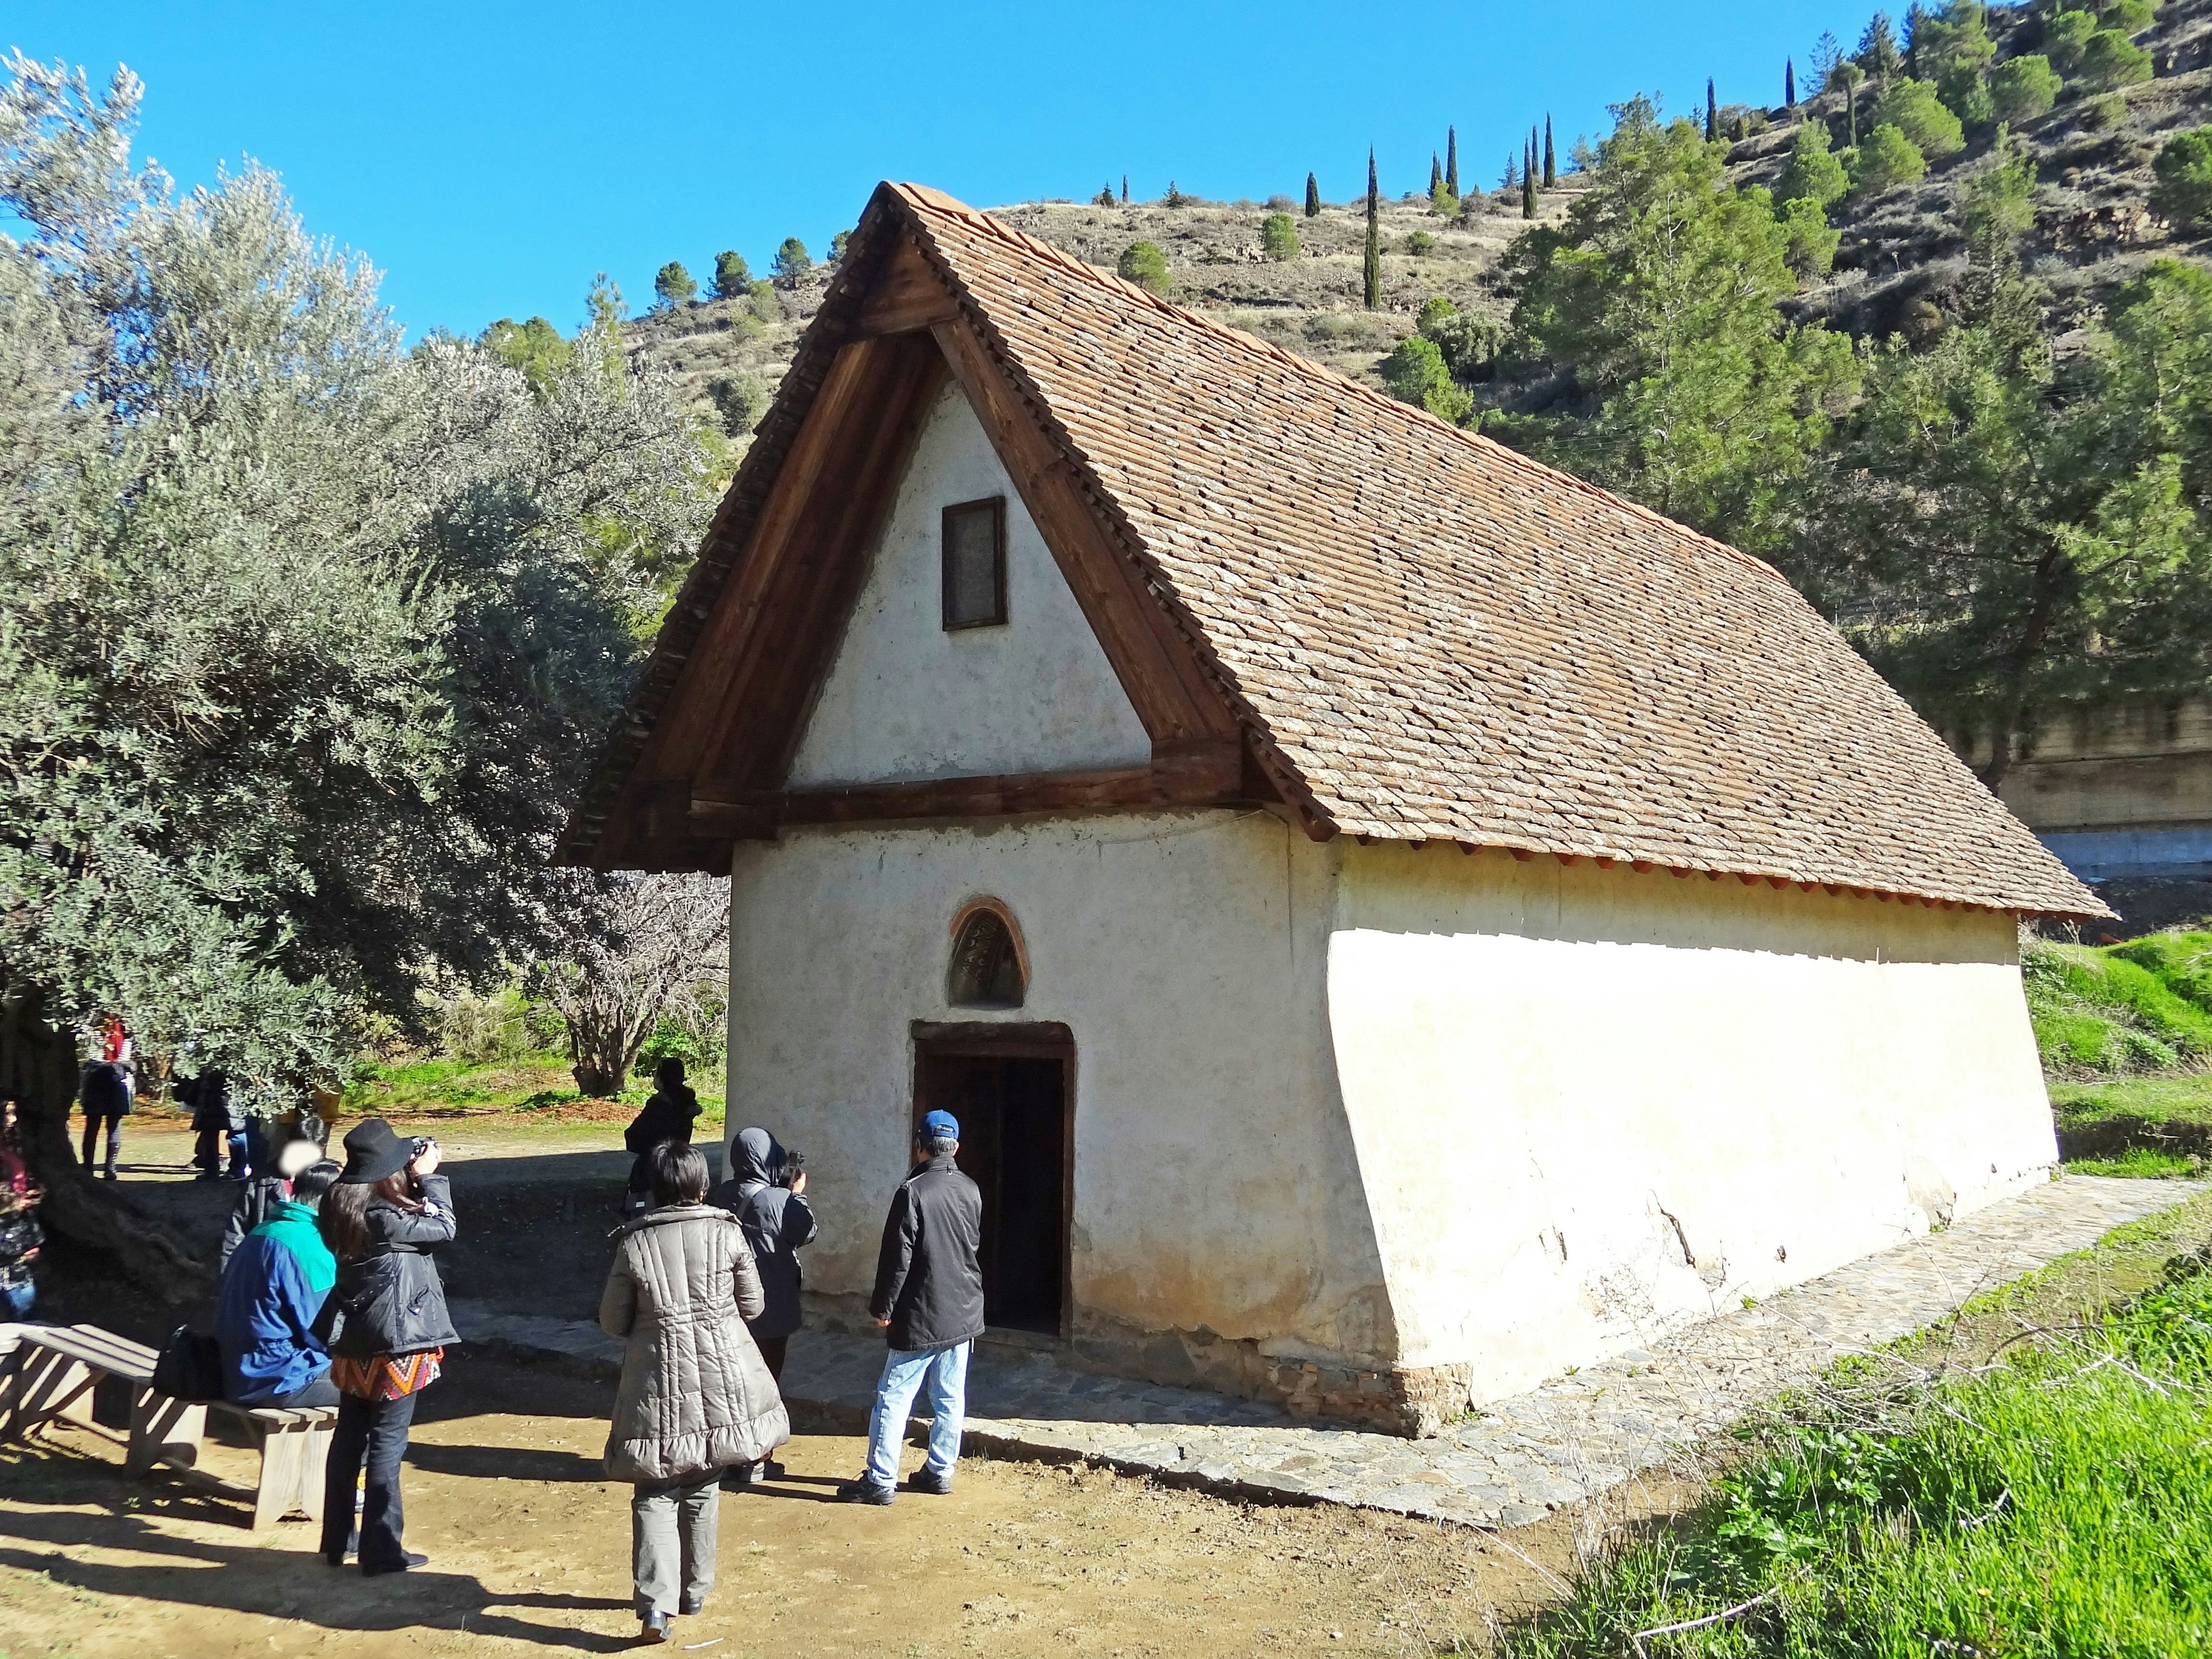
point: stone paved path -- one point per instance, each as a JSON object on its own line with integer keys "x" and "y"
{"x": 1571, "y": 1438}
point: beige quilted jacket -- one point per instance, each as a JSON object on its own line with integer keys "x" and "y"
{"x": 695, "y": 1394}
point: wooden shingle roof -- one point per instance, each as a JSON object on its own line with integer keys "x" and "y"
{"x": 1429, "y": 637}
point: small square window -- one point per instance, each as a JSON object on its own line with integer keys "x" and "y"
{"x": 975, "y": 563}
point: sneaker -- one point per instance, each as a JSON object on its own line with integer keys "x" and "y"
{"x": 653, "y": 1627}
{"x": 407, "y": 1563}
{"x": 927, "y": 1479}
{"x": 865, "y": 1491}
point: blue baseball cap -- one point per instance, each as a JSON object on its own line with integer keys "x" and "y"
{"x": 939, "y": 1126}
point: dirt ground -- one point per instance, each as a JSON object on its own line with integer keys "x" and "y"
{"x": 529, "y": 1544}
{"x": 528, "y": 1547}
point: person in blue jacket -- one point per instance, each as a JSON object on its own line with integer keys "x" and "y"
{"x": 271, "y": 1298}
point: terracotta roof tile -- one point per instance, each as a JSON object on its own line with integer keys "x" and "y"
{"x": 1448, "y": 640}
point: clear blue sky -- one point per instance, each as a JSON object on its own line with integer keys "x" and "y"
{"x": 489, "y": 157}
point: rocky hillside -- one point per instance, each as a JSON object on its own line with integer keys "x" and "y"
{"x": 1897, "y": 268}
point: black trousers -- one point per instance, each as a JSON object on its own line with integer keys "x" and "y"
{"x": 114, "y": 1122}
{"x": 371, "y": 1433}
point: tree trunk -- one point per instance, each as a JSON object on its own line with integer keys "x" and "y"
{"x": 38, "y": 1066}
{"x": 594, "y": 1081}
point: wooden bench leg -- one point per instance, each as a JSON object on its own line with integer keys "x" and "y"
{"x": 48, "y": 1385}
{"x": 315, "y": 1456}
{"x": 284, "y": 1474}
{"x": 164, "y": 1430}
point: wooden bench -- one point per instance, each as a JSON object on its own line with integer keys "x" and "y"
{"x": 52, "y": 1371}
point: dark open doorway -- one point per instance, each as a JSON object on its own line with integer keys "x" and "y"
{"x": 1011, "y": 1087}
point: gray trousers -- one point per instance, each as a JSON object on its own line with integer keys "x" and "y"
{"x": 673, "y": 1533}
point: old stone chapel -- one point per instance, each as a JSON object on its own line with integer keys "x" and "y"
{"x": 1393, "y": 920}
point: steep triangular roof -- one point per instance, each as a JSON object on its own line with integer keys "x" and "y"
{"x": 1419, "y": 634}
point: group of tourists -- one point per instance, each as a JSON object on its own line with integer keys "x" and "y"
{"x": 330, "y": 1296}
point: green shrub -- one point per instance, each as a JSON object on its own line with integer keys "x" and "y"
{"x": 1143, "y": 264}
{"x": 741, "y": 400}
{"x": 2022, "y": 88}
{"x": 1887, "y": 159}
{"x": 2142, "y": 1007}
{"x": 1813, "y": 173}
{"x": 2111, "y": 61}
{"x": 1279, "y": 236}
{"x": 2183, "y": 194}
{"x": 792, "y": 263}
{"x": 1467, "y": 341}
{"x": 733, "y": 278}
{"x": 673, "y": 287}
{"x": 2066, "y": 36}
{"x": 1811, "y": 244}
{"x": 2129, "y": 17}
{"x": 1966, "y": 92}
{"x": 1915, "y": 109}
{"x": 1105, "y": 197}
{"x": 1174, "y": 197}
{"x": 2105, "y": 111}
{"x": 1420, "y": 243}
{"x": 1998, "y": 202}
{"x": 765, "y": 304}
{"x": 1416, "y": 374}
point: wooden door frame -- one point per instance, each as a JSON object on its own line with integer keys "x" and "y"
{"x": 996, "y": 1039}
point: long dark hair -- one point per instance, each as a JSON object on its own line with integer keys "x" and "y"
{"x": 343, "y": 1219}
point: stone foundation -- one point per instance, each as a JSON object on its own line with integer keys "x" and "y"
{"x": 1410, "y": 1400}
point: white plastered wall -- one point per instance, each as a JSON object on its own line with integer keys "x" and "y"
{"x": 907, "y": 700}
{"x": 1592, "y": 1105}
{"x": 1214, "y": 1184}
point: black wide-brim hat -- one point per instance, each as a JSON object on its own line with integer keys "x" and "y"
{"x": 373, "y": 1149}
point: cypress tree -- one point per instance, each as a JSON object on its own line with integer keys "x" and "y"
{"x": 1436, "y": 173}
{"x": 1451, "y": 160}
{"x": 1370, "y": 275}
{"x": 1125, "y": 190}
{"x": 1713, "y": 113}
{"x": 1529, "y": 179}
{"x": 1551, "y": 158}
{"x": 1313, "y": 197}
{"x": 1512, "y": 175}
{"x": 1790, "y": 81}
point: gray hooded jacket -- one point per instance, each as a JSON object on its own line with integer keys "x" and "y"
{"x": 778, "y": 1224}
{"x": 695, "y": 1394}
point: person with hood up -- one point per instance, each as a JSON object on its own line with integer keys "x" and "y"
{"x": 695, "y": 1397}
{"x": 274, "y": 1287}
{"x": 767, "y": 1194}
{"x": 667, "y": 1115}
{"x": 387, "y": 1213}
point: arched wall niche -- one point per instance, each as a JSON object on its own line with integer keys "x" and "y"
{"x": 989, "y": 966}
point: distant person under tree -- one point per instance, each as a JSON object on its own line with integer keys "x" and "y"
{"x": 668, "y": 1116}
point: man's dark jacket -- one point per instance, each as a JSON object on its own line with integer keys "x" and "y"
{"x": 778, "y": 1224}
{"x": 928, "y": 1282}
{"x": 667, "y": 1115}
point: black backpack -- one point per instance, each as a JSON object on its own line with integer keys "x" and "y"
{"x": 190, "y": 1366}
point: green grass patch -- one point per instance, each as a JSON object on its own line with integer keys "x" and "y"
{"x": 2142, "y": 1163}
{"x": 2057, "y": 1502}
{"x": 2106, "y": 1011}
{"x": 528, "y": 1084}
{"x": 2169, "y": 1116}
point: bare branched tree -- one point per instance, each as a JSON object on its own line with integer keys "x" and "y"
{"x": 661, "y": 948}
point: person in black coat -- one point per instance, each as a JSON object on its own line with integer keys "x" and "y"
{"x": 766, "y": 1192}
{"x": 218, "y": 1123}
{"x": 389, "y": 1212}
{"x": 928, "y": 1301}
{"x": 106, "y": 1091}
{"x": 667, "y": 1115}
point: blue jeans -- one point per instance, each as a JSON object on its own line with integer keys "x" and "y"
{"x": 16, "y": 1300}
{"x": 945, "y": 1371}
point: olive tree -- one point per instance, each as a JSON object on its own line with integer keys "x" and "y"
{"x": 307, "y": 634}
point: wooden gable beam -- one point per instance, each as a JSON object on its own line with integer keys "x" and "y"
{"x": 908, "y": 296}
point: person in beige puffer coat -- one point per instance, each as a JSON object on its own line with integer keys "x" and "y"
{"x": 695, "y": 1396}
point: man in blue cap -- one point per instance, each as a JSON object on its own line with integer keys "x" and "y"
{"x": 929, "y": 1302}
